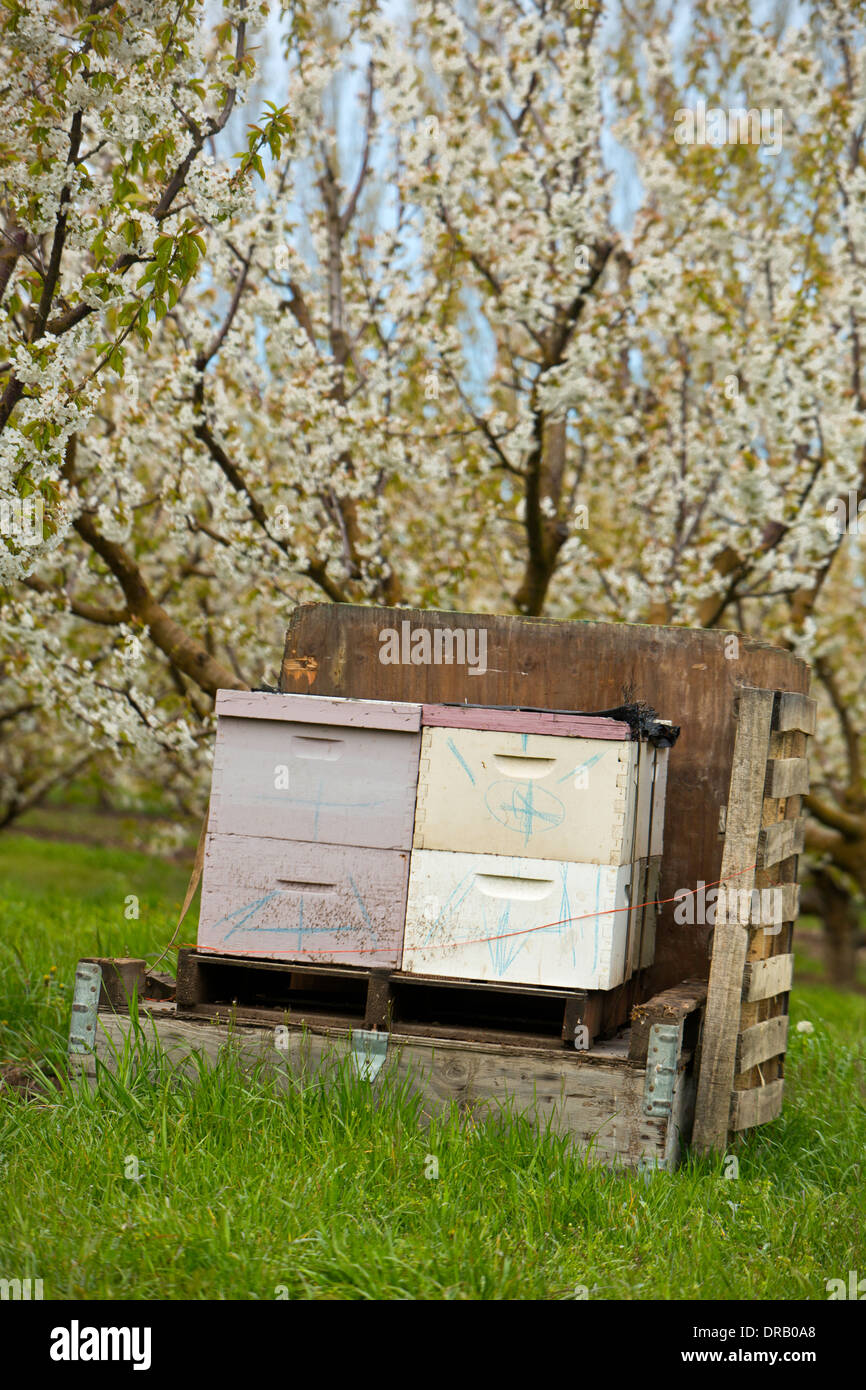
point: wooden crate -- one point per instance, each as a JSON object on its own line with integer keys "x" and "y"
{"x": 538, "y": 921}
{"x": 605, "y": 1100}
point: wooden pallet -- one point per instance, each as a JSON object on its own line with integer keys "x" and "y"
{"x": 211, "y": 984}
{"x": 742, "y": 1059}
{"x": 605, "y": 1100}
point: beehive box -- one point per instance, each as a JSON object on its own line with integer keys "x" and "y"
{"x": 532, "y": 832}
{"x": 569, "y": 794}
{"x": 307, "y": 852}
{"x": 527, "y": 921}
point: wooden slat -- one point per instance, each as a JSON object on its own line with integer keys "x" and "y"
{"x": 730, "y": 940}
{"x": 756, "y": 1107}
{"x": 765, "y": 907}
{"x": 594, "y": 1100}
{"x": 780, "y": 841}
{"x": 314, "y": 709}
{"x": 797, "y": 712}
{"x": 671, "y": 1006}
{"x": 762, "y": 979}
{"x": 787, "y": 777}
{"x": 762, "y": 1041}
{"x": 523, "y": 722}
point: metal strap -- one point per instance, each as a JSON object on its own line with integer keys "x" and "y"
{"x": 85, "y": 1001}
{"x": 661, "y": 1068}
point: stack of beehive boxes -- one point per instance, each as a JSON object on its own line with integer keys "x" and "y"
{"x": 452, "y": 841}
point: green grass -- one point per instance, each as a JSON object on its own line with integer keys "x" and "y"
{"x": 248, "y": 1192}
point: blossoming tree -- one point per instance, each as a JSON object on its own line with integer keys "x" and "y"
{"x": 406, "y": 348}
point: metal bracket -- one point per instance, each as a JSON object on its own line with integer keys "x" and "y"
{"x": 369, "y": 1051}
{"x": 661, "y": 1068}
{"x": 85, "y": 1002}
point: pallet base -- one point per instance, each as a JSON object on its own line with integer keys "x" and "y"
{"x": 335, "y": 996}
{"x": 597, "y": 1098}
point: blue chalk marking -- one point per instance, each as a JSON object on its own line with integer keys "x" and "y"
{"x": 590, "y": 762}
{"x": 249, "y": 910}
{"x": 502, "y": 952}
{"x": 461, "y": 760}
{"x": 519, "y": 809}
{"x": 360, "y": 902}
{"x": 450, "y": 906}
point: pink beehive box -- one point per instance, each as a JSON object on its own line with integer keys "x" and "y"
{"x": 310, "y": 829}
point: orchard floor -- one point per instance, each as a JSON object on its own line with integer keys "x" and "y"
{"x": 152, "y": 1187}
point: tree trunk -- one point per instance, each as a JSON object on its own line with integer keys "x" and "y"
{"x": 841, "y": 928}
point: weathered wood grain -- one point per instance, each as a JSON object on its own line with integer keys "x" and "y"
{"x": 316, "y": 709}
{"x": 762, "y": 1041}
{"x": 764, "y": 907}
{"x": 787, "y": 777}
{"x": 523, "y": 722}
{"x": 671, "y": 1006}
{"x": 724, "y": 996}
{"x": 121, "y": 978}
{"x": 762, "y": 979}
{"x": 796, "y": 711}
{"x": 597, "y": 1105}
{"x": 756, "y": 1106}
{"x": 780, "y": 841}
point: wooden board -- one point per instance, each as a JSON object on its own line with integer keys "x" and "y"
{"x": 399, "y": 717}
{"x": 762, "y": 1041}
{"x": 780, "y": 841}
{"x": 522, "y": 722}
{"x": 533, "y": 795}
{"x": 759, "y": 907}
{"x": 650, "y": 912}
{"x": 598, "y": 1104}
{"x": 671, "y": 1006}
{"x": 491, "y": 917}
{"x": 787, "y": 777}
{"x": 724, "y": 995}
{"x": 334, "y": 649}
{"x": 290, "y": 900}
{"x": 764, "y": 978}
{"x": 757, "y": 1106}
{"x": 796, "y": 712}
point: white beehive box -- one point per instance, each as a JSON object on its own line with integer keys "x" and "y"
{"x": 312, "y": 809}
{"x": 565, "y": 795}
{"x": 532, "y": 921}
